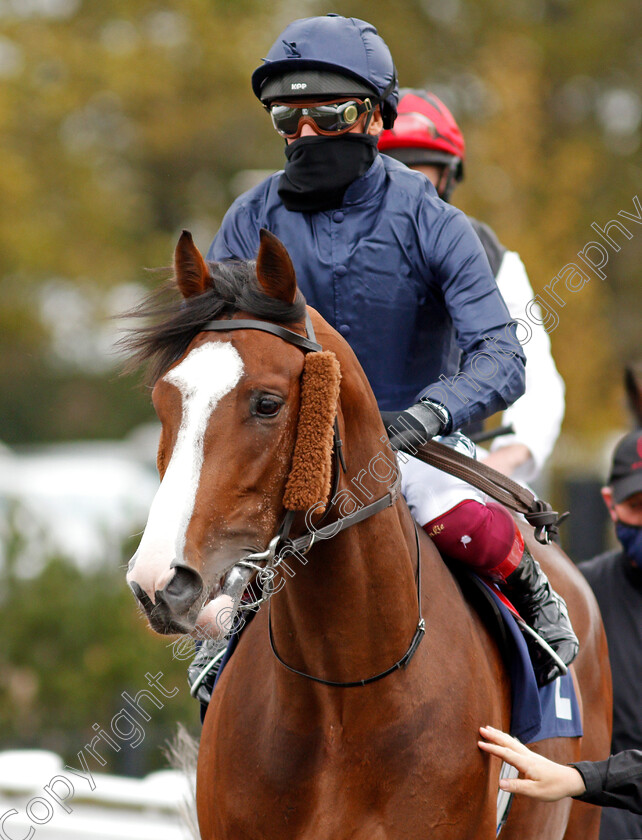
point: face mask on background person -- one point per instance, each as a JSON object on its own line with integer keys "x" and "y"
{"x": 630, "y": 537}
{"x": 623, "y": 495}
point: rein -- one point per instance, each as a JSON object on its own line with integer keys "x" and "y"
{"x": 536, "y": 512}
{"x": 304, "y": 543}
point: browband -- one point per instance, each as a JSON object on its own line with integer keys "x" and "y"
{"x": 247, "y": 324}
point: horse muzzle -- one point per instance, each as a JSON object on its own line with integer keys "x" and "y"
{"x": 182, "y": 607}
{"x": 175, "y": 607}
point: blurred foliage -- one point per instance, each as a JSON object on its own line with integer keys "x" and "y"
{"x": 72, "y": 642}
{"x": 122, "y": 122}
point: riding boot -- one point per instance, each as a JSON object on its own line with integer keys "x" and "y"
{"x": 203, "y": 669}
{"x": 545, "y": 611}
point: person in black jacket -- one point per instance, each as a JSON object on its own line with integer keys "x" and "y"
{"x": 615, "y": 782}
{"x": 616, "y": 580}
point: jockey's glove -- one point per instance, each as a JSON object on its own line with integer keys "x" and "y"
{"x": 416, "y": 425}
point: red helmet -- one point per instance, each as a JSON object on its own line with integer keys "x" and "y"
{"x": 425, "y": 132}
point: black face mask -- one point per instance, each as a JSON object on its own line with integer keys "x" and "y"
{"x": 320, "y": 169}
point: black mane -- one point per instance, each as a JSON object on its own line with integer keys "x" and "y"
{"x": 173, "y": 323}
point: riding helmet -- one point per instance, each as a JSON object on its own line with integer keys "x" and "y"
{"x": 329, "y": 56}
{"x": 425, "y": 132}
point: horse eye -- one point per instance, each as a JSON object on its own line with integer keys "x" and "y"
{"x": 267, "y": 406}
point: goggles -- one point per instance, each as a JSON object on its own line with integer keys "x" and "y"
{"x": 327, "y": 118}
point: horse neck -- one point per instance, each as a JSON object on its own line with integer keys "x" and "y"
{"x": 348, "y": 609}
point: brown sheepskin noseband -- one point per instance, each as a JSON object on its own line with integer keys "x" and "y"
{"x": 309, "y": 479}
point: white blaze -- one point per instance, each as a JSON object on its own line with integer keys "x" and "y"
{"x": 203, "y": 378}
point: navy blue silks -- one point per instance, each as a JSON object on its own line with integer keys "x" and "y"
{"x": 405, "y": 279}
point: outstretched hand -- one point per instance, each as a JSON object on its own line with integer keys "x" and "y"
{"x": 543, "y": 779}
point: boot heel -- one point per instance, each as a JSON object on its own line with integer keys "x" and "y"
{"x": 546, "y": 616}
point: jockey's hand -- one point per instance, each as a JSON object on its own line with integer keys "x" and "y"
{"x": 416, "y": 425}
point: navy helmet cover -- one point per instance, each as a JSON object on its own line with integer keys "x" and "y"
{"x": 349, "y": 46}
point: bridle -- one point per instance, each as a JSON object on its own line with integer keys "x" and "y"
{"x": 281, "y": 544}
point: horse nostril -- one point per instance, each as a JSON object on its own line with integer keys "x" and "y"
{"x": 182, "y": 590}
{"x": 141, "y": 596}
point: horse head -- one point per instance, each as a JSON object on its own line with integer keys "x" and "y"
{"x": 229, "y": 403}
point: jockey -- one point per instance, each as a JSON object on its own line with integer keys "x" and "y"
{"x": 426, "y": 138}
{"x": 403, "y": 277}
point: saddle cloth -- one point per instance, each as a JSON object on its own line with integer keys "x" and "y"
{"x": 551, "y": 711}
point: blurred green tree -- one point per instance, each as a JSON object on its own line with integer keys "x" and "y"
{"x": 72, "y": 643}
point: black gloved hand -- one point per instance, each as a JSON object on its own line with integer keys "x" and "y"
{"x": 416, "y": 425}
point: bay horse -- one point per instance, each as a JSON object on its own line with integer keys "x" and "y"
{"x": 286, "y": 751}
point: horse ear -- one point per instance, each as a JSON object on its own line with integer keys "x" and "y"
{"x": 190, "y": 269}
{"x": 274, "y": 268}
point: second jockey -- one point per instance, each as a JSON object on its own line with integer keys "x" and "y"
{"x": 426, "y": 138}
{"x": 403, "y": 277}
